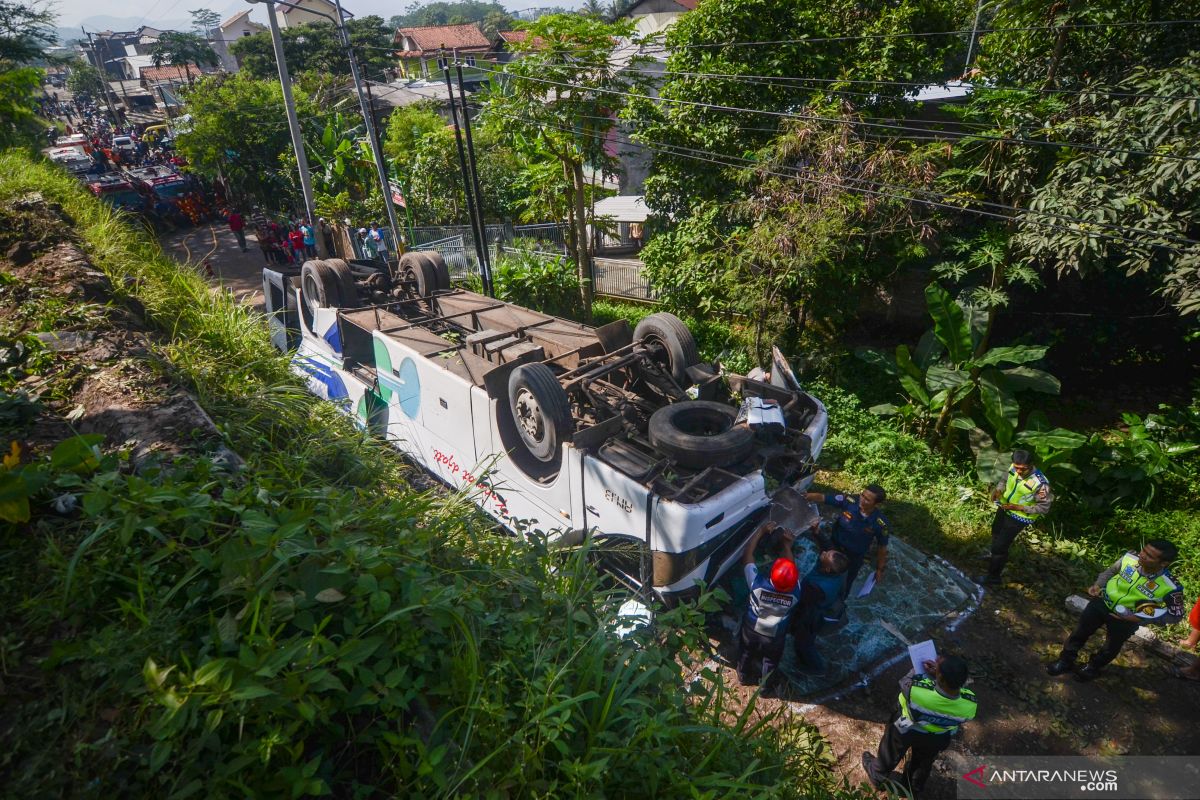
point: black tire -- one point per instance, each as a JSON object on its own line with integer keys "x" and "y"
{"x": 700, "y": 433}
{"x": 320, "y": 286}
{"x": 440, "y": 271}
{"x": 540, "y": 411}
{"x": 345, "y": 278}
{"x": 669, "y": 331}
{"x": 415, "y": 267}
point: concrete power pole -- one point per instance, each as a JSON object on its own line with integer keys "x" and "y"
{"x": 103, "y": 81}
{"x": 289, "y": 103}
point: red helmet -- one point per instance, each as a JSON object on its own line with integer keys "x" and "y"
{"x": 784, "y": 575}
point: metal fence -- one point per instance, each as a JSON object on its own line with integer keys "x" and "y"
{"x": 621, "y": 277}
{"x": 614, "y": 277}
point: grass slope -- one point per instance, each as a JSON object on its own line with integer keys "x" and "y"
{"x": 306, "y": 626}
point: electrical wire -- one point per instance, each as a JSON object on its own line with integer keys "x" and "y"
{"x": 1016, "y": 212}
{"x": 913, "y": 84}
{"x": 834, "y": 120}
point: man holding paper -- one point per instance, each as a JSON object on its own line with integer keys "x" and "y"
{"x": 933, "y": 707}
{"x": 859, "y": 523}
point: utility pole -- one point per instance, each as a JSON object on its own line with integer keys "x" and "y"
{"x": 289, "y": 104}
{"x": 486, "y": 265}
{"x": 369, "y": 118}
{"x": 974, "y": 33}
{"x": 368, "y": 114}
{"x": 103, "y": 80}
{"x": 476, "y": 225}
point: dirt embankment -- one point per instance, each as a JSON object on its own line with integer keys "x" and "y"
{"x": 100, "y": 372}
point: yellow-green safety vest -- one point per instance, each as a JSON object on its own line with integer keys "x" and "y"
{"x": 1023, "y": 492}
{"x": 931, "y": 711}
{"x": 1130, "y": 588}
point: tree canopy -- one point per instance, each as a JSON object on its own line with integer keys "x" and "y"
{"x": 730, "y": 54}
{"x": 316, "y": 47}
{"x": 559, "y": 99}
{"x": 238, "y": 131}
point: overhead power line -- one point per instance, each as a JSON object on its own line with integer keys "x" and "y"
{"x": 880, "y": 190}
{"x": 837, "y": 121}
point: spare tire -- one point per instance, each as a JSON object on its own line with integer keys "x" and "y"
{"x": 415, "y": 267}
{"x": 345, "y": 279}
{"x": 540, "y": 410}
{"x": 669, "y": 332}
{"x": 441, "y": 272}
{"x": 700, "y": 433}
{"x": 319, "y": 286}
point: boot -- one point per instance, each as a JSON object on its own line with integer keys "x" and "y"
{"x": 1059, "y": 667}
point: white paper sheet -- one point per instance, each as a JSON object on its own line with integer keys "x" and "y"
{"x": 868, "y": 585}
{"x": 921, "y": 652}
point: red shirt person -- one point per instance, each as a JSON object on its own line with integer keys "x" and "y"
{"x": 238, "y": 226}
{"x": 296, "y": 240}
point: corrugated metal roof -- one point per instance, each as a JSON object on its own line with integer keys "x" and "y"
{"x": 623, "y": 208}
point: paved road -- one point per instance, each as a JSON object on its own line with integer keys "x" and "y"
{"x": 233, "y": 270}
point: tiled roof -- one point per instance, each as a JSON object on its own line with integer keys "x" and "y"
{"x": 431, "y": 38}
{"x": 514, "y": 36}
{"x": 171, "y": 72}
{"x": 330, "y": 7}
{"x": 234, "y": 18}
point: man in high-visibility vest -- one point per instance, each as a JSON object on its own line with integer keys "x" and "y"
{"x": 1137, "y": 589}
{"x": 1021, "y": 499}
{"x": 933, "y": 707}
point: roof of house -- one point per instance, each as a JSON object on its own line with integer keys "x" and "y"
{"x": 432, "y": 38}
{"x": 170, "y": 72}
{"x": 516, "y": 37}
{"x": 300, "y": 7}
{"x": 685, "y": 5}
{"x": 622, "y": 208}
{"x": 234, "y": 19}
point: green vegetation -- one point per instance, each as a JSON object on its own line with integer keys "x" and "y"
{"x": 315, "y": 48}
{"x": 305, "y": 625}
{"x": 527, "y": 276}
{"x": 26, "y": 31}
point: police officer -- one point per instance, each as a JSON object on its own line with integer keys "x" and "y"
{"x": 1021, "y": 499}
{"x": 773, "y": 599}
{"x": 933, "y": 706}
{"x": 1138, "y": 589}
{"x": 859, "y": 523}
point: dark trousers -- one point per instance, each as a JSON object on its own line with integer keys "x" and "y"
{"x": 1005, "y": 529}
{"x": 241, "y": 237}
{"x": 758, "y": 655}
{"x": 924, "y": 748}
{"x": 1095, "y": 616}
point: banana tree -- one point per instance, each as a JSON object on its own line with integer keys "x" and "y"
{"x": 953, "y": 382}
{"x": 343, "y": 161}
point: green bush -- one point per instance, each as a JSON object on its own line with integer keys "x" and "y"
{"x": 717, "y": 340}
{"x": 546, "y": 282}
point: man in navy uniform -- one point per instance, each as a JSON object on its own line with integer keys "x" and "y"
{"x": 859, "y": 523}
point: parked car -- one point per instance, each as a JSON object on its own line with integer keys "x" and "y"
{"x": 72, "y": 158}
{"x": 124, "y": 145}
{"x": 117, "y": 192}
{"x": 162, "y": 181}
{"x": 618, "y": 433}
